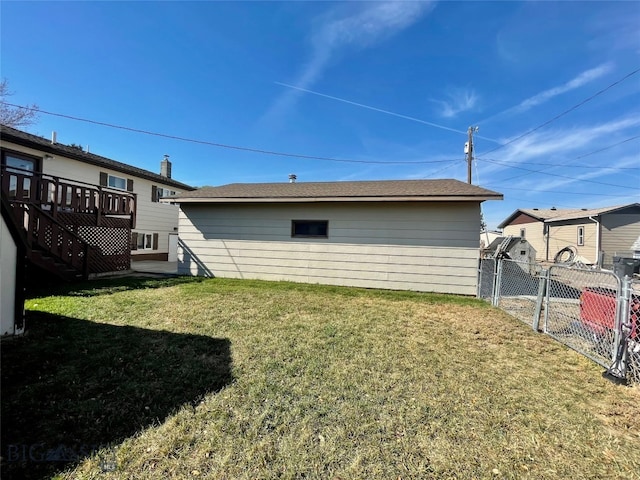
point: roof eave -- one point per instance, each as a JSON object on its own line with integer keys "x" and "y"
{"x": 9, "y": 138}
{"x": 439, "y": 198}
{"x": 511, "y": 217}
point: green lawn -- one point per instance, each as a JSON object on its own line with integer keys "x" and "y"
{"x": 231, "y": 379}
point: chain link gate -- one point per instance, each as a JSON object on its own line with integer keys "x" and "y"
{"x": 580, "y": 311}
{"x": 594, "y": 312}
{"x": 633, "y": 331}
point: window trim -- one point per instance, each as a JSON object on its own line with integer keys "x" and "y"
{"x": 109, "y": 177}
{"x": 523, "y": 232}
{"x": 37, "y": 161}
{"x": 147, "y": 238}
{"x": 295, "y": 223}
{"x": 580, "y": 239}
{"x": 158, "y": 193}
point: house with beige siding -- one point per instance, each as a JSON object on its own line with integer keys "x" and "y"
{"x": 401, "y": 234}
{"x": 597, "y": 234}
{"x": 65, "y": 169}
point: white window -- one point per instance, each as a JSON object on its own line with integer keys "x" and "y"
{"x": 523, "y": 231}
{"x": 580, "y": 236}
{"x": 158, "y": 192}
{"x": 117, "y": 182}
{"x": 165, "y": 192}
{"x": 145, "y": 241}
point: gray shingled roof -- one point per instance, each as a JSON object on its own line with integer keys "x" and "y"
{"x": 549, "y": 215}
{"x": 39, "y": 143}
{"x": 376, "y": 190}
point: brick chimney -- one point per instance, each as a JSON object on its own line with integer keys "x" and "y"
{"x": 165, "y": 167}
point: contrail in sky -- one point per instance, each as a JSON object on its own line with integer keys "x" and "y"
{"x": 413, "y": 119}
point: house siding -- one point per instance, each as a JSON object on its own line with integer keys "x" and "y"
{"x": 413, "y": 246}
{"x": 619, "y": 231}
{"x": 566, "y": 235}
{"x": 534, "y": 234}
{"x": 151, "y": 217}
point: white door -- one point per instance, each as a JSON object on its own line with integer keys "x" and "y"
{"x": 173, "y": 247}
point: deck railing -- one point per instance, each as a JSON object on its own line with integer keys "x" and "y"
{"x": 85, "y": 227}
{"x": 57, "y": 194}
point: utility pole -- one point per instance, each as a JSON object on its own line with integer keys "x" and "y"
{"x": 468, "y": 149}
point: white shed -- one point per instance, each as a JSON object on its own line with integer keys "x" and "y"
{"x": 399, "y": 234}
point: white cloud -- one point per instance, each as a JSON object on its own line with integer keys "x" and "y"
{"x": 460, "y": 100}
{"x": 368, "y": 26}
{"x": 550, "y": 185}
{"x": 559, "y": 142}
{"x": 338, "y": 32}
{"x": 577, "y": 82}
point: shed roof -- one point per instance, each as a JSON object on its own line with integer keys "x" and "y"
{"x": 42, "y": 144}
{"x": 550, "y": 215}
{"x": 493, "y": 246}
{"x": 374, "y": 190}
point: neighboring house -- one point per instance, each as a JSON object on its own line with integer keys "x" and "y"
{"x": 597, "y": 234}
{"x": 406, "y": 234}
{"x": 132, "y": 224}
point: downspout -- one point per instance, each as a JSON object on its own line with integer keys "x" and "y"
{"x": 598, "y": 231}
{"x": 545, "y": 234}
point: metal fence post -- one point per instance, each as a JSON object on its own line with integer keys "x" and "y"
{"x": 546, "y": 300}
{"x": 542, "y": 291}
{"x": 622, "y": 331}
{"x": 497, "y": 281}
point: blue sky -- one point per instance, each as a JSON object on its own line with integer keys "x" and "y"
{"x": 367, "y": 82}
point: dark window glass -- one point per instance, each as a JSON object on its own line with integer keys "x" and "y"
{"x": 309, "y": 228}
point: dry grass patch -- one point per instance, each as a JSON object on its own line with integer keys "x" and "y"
{"x": 346, "y": 383}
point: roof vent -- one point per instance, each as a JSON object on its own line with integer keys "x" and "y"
{"x": 583, "y": 209}
{"x": 553, "y": 208}
{"x": 536, "y": 209}
{"x": 54, "y": 137}
{"x": 292, "y": 178}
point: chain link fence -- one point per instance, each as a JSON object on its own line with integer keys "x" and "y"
{"x": 487, "y": 274}
{"x": 519, "y": 283}
{"x": 591, "y": 311}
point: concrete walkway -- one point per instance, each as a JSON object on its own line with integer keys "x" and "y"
{"x": 155, "y": 266}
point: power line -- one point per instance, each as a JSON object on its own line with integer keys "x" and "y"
{"x": 375, "y": 109}
{"x": 607, "y": 148}
{"x": 529, "y": 172}
{"x": 561, "y": 193}
{"x": 598, "y": 167}
{"x": 222, "y": 145}
{"x": 564, "y": 176}
{"x": 446, "y": 167}
{"x": 578, "y": 158}
{"x": 563, "y": 113}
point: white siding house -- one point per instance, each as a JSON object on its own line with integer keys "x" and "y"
{"x": 155, "y": 220}
{"x": 411, "y": 235}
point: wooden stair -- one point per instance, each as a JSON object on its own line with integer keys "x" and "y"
{"x": 50, "y": 212}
